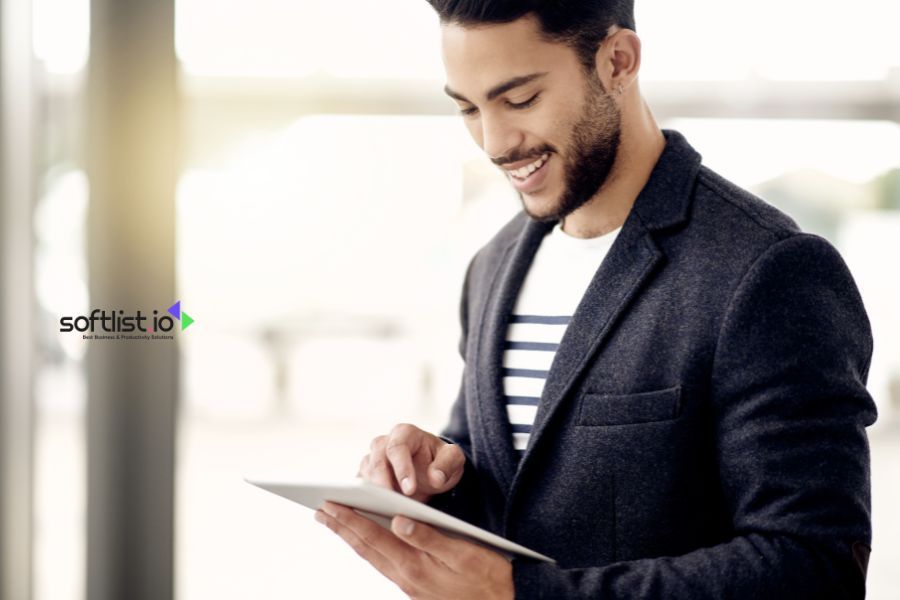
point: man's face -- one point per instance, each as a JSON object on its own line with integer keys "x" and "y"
{"x": 530, "y": 106}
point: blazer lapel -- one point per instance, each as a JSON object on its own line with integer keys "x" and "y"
{"x": 632, "y": 259}
{"x": 491, "y": 414}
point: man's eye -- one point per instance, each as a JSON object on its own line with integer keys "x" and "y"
{"x": 526, "y": 104}
{"x": 468, "y": 111}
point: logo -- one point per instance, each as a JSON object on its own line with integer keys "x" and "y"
{"x": 175, "y": 311}
{"x": 126, "y": 325}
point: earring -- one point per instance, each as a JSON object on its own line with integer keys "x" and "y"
{"x": 620, "y": 89}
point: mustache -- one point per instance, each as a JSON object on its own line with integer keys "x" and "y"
{"x": 517, "y": 156}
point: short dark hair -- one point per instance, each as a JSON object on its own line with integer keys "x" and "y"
{"x": 581, "y": 24}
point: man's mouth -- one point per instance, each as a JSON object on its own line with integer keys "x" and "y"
{"x": 522, "y": 173}
{"x": 529, "y": 177}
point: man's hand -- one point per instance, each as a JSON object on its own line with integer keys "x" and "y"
{"x": 413, "y": 462}
{"x": 423, "y": 562}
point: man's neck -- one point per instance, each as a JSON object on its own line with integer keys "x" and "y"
{"x": 640, "y": 146}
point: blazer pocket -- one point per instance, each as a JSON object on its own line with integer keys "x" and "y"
{"x": 626, "y": 409}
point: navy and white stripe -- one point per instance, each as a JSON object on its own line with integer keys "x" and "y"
{"x": 531, "y": 344}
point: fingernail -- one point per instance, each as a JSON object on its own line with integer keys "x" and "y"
{"x": 320, "y": 517}
{"x": 439, "y": 476}
{"x": 406, "y": 484}
{"x": 406, "y": 526}
{"x": 329, "y": 510}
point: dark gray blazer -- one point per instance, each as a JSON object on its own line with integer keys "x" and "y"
{"x": 702, "y": 429}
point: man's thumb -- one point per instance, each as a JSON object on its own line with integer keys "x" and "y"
{"x": 446, "y": 469}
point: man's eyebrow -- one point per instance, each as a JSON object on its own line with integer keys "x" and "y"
{"x": 499, "y": 89}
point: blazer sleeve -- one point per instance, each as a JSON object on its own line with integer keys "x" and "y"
{"x": 790, "y": 410}
{"x": 462, "y": 500}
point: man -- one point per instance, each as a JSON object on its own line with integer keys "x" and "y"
{"x": 664, "y": 384}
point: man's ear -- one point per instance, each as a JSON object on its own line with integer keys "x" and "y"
{"x": 618, "y": 60}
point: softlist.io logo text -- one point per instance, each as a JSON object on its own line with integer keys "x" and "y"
{"x": 117, "y": 324}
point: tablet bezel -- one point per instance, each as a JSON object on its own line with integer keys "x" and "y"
{"x": 381, "y": 504}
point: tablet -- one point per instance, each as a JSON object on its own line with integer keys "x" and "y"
{"x": 381, "y": 504}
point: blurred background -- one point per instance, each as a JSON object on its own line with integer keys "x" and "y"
{"x": 292, "y": 172}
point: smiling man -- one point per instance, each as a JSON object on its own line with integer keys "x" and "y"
{"x": 664, "y": 383}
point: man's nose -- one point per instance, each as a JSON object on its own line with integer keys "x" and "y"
{"x": 498, "y": 136}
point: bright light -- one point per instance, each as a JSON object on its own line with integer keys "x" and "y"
{"x": 61, "y": 30}
{"x": 801, "y": 40}
{"x": 855, "y": 151}
{"x": 284, "y": 38}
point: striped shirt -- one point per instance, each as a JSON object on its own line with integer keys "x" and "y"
{"x": 559, "y": 275}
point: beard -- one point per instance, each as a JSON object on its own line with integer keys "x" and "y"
{"x": 592, "y": 150}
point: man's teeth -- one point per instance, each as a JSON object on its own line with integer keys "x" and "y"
{"x": 529, "y": 169}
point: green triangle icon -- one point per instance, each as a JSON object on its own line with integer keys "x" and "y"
{"x": 186, "y": 320}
